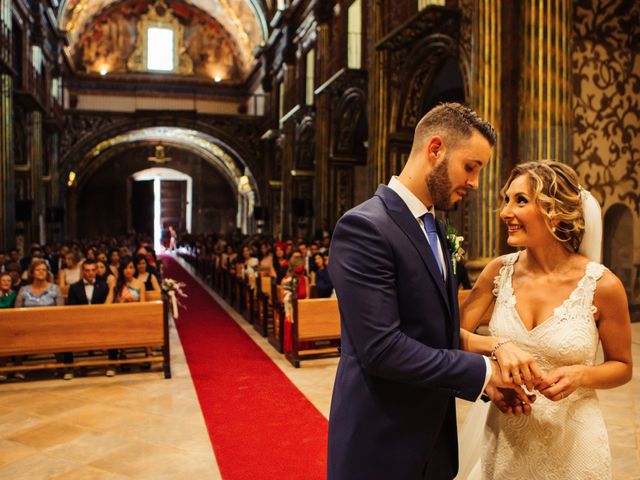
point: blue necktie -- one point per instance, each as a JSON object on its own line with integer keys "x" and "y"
{"x": 432, "y": 234}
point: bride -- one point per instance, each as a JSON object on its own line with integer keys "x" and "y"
{"x": 552, "y": 303}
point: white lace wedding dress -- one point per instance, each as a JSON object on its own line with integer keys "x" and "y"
{"x": 562, "y": 440}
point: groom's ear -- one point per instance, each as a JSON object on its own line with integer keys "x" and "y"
{"x": 435, "y": 150}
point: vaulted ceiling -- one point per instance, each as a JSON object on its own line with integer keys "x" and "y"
{"x": 104, "y": 31}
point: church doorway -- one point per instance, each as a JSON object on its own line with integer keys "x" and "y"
{"x": 161, "y": 198}
{"x": 618, "y": 244}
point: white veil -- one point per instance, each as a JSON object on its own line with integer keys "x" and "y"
{"x": 471, "y": 437}
{"x": 591, "y": 246}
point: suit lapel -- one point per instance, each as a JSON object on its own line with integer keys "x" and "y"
{"x": 401, "y": 215}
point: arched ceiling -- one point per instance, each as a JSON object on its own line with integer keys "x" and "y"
{"x": 242, "y": 21}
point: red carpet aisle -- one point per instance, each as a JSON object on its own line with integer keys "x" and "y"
{"x": 261, "y": 426}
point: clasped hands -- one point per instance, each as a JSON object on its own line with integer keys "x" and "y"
{"x": 516, "y": 375}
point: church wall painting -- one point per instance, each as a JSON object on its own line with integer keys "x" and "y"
{"x": 110, "y": 40}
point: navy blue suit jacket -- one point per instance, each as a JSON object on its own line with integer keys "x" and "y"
{"x": 393, "y": 406}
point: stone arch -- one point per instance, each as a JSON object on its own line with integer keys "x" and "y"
{"x": 618, "y": 243}
{"x": 217, "y": 138}
{"x": 90, "y": 153}
{"x": 423, "y": 67}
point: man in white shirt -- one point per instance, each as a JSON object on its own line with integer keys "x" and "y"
{"x": 393, "y": 407}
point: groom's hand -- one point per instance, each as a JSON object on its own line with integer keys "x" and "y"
{"x": 498, "y": 380}
{"x": 508, "y": 401}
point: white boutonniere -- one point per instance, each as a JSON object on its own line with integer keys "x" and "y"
{"x": 455, "y": 246}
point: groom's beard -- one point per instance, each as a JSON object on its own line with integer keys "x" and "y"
{"x": 440, "y": 186}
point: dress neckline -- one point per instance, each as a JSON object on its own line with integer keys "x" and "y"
{"x": 554, "y": 315}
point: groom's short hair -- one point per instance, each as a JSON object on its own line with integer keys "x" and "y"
{"x": 453, "y": 122}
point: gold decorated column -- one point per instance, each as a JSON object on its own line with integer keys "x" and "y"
{"x": 379, "y": 86}
{"x": 545, "y": 94}
{"x": 484, "y": 238}
{"x": 323, "y": 134}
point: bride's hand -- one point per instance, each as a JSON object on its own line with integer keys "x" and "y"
{"x": 508, "y": 401}
{"x": 558, "y": 384}
{"x": 517, "y": 364}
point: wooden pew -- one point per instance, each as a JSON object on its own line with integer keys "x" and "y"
{"x": 314, "y": 319}
{"x": 276, "y": 322}
{"x": 153, "y": 295}
{"x": 79, "y": 328}
{"x": 263, "y": 310}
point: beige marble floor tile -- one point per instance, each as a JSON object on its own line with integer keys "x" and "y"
{"x": 86, "y": 472}
{"x": 47, "y": 435}
{"x": 12, "y": 451}
{"x": 38, "y": 466}
{"x": 90, "y": 447}
{"x": 143, "y": 460}
{"x": 101, "y": 417}
{"x": 12, "y": 422}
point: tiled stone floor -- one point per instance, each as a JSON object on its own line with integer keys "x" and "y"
{"x": 141, "y": 426}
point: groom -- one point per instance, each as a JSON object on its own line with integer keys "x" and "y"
{"x": 393, "y": 407}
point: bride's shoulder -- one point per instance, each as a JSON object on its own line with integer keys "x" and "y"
{"x": 610, "y": 295}
{"x": 492, "y": 269}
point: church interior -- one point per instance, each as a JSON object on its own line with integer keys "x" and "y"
{"x": 215, "y": 144}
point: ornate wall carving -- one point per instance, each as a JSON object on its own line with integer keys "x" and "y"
{"x": 606, "y": 106}
{"x": 350, "y": 126}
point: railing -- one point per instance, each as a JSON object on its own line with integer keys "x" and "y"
{"x": 34, "y": 83}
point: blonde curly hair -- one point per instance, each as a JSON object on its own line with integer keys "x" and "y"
{"x": 557, "y": 193}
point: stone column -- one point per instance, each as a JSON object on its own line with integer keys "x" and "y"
{"x": 379, "y": 101}
{"x": 35, "y": 163}
{"x": 7, "y": 193}
{"x": 323, "y": 131}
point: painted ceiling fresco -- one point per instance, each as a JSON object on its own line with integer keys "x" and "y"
{"x": 219, "y": 36}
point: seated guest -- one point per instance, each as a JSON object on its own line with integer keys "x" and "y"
{"x": 72, "y": 271}
{"x": 7, "y": 293}
{"x": 7, "y": 299}
{"x": 14, "y": 271}
{"x": 320, "y": 277}
{"x": 295, "y": 280}
{"x": 90, "y": 290}
{"x": 114, "y": 261}
{"x": 143, "y": 274}
{"x": 103, "y": 273}
{"x": 40, "y": 292}
{"x": 128, "y": 290}
{"x": 248, "y": 261}
{"x": 128, "y": 287}
{"x": 265, "y": 268}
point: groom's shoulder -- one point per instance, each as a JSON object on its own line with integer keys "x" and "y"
{"x": 372, "y": 209}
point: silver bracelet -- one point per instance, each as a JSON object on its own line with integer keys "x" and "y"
{"x": 498, "y": 345}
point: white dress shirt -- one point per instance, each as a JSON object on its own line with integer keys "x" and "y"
{"x": 418, "y": 209}
{"x": 88, "y": 290}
